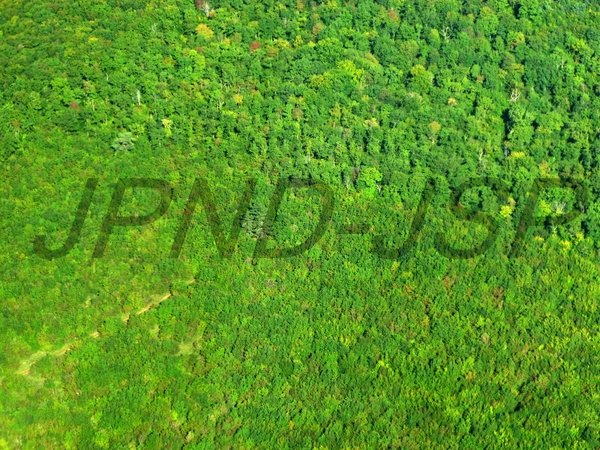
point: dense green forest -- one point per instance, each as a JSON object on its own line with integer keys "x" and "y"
{"x": 357, "y": 342}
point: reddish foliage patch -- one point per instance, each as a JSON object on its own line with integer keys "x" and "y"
{"x": 74, "y": 105}
{"x": 254, "y": 46}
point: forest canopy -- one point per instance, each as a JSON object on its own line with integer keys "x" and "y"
{"x": 384, "y": 102}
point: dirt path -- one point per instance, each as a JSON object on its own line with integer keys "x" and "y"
{"x": 154, "y": 303}
{"x": 27, "y": 363}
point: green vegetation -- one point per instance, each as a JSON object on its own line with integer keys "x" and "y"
{"x": 337, "y": 347}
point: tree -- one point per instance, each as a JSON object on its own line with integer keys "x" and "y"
{"x": 253, "y": 222}
{"x": 124, "y": 142}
